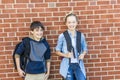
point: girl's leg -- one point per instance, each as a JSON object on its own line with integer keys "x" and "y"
{"x": 69, "y": 74}
{"x": 78, "y": 73}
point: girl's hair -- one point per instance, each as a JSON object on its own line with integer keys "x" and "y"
{"x": 36, "y": 24}
{"x": 71, "y": 14}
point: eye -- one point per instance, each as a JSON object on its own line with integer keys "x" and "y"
{"x": 39, "y": 29}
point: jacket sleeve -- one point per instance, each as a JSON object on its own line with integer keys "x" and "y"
{"x": 20, "y": 49}
{"x": 47, "y": 54}
{"x": 83, "y": 43}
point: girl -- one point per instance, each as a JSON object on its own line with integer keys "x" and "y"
{"x": 72, "y": 67}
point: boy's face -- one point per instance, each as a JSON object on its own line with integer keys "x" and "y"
{"x": 71, "y": 23}
{"x": 37, "y": 33}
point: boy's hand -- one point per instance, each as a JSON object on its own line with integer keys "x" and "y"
{"x": 21, "y": 73}
{"x": 46, "y": 76}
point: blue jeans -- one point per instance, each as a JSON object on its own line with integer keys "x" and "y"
{"x": 74, "y": 72}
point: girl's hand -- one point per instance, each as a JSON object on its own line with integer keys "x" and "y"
{"x": 68, "y": 55}
{"x": 81, "y": 56}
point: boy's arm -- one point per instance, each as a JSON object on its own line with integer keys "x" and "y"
{"x": 48, "y": 66}
{"x": 20, "y": 71}
{"x": 48, "y": 70}
{"x": 47, "y": 57}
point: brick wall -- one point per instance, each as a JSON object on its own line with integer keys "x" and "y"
{"x": 99, "y": 21}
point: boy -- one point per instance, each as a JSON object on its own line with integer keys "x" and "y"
{"x": 38, "y": 64}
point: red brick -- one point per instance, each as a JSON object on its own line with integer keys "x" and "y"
{"x": 52, "y": 19}
{"x": 20, "y": 6}
{"x": 92, "y": 7}
{"x": 107, "y": 68}
{"x": 2, "y": 6}
{"x": 106, "y": 7}
{"x": 61, "y": 4}
{"x": 30, "y": 15}
{"x": 108, "y": 77}
{"x": 8, "y": 11}
{"x": 116, "y": 6}
{"x": 7, "y": 1}
{"x": 22, "y": 1}
{"x": 100, "y": 12}
{"x": 38, "y": 19}
{"x": 9, "y": 6}
{"x": 36, "y": 1}
{"x": 23, "y": 11}
{"x": 45, "y": 14}
{"x": 100, "y": 64}
{"x": 113, "y": 11}
{"x": 86, "y": 12}
{"x": 38, "y": 10}
{"x": 82, "y": 3}
{"x": 65, "y": 9}
{"x": 16, "y": 15}
{"x": 103, "y": 2}
{"x": 113, "y": 20}
{"x": 95, "y": 78}
{"x": 106, "y": 51}
{"x": 79, "y": 8}
{"x": 41, "y": 5}
{"x": 4, "y": 16}
{"x": 24, "y": 20}
{"x": 10, "y": 30}
{"x": 100, "y": 73}
{"x": 106, "y": 16}
{"x": 63, "y": 0}
{"x": 87, "y": 22}
{"x": 94, "y": 69}
{"x": 10, "y": 20}
{"x": 51, "y": 0}
{"x": 93, "y": 17}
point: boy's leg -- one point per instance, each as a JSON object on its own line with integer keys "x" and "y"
{"x": 35, "y": 76}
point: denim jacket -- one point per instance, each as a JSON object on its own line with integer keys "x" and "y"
{"x": 62, "y": 47}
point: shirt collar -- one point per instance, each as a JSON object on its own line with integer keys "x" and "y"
{"x": 71, "y": 34}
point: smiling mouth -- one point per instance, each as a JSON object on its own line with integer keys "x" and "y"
{"x": 71, "y": 26}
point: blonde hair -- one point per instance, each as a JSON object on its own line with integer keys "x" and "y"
{"x": 71, "y": 14}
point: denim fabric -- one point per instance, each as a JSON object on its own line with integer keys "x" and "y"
{"x": 74, "y": 72}
{"x": 62, "y": 47}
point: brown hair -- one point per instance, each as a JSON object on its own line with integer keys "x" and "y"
{"x": 36, "y": 24}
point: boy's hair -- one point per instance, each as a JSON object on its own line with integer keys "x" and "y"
{"x": 71, "y": 14}
{"x": 36, "y": 24}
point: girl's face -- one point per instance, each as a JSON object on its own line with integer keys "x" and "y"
{"x": 37, "y": 33}
{"x": 71, "y": 23}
